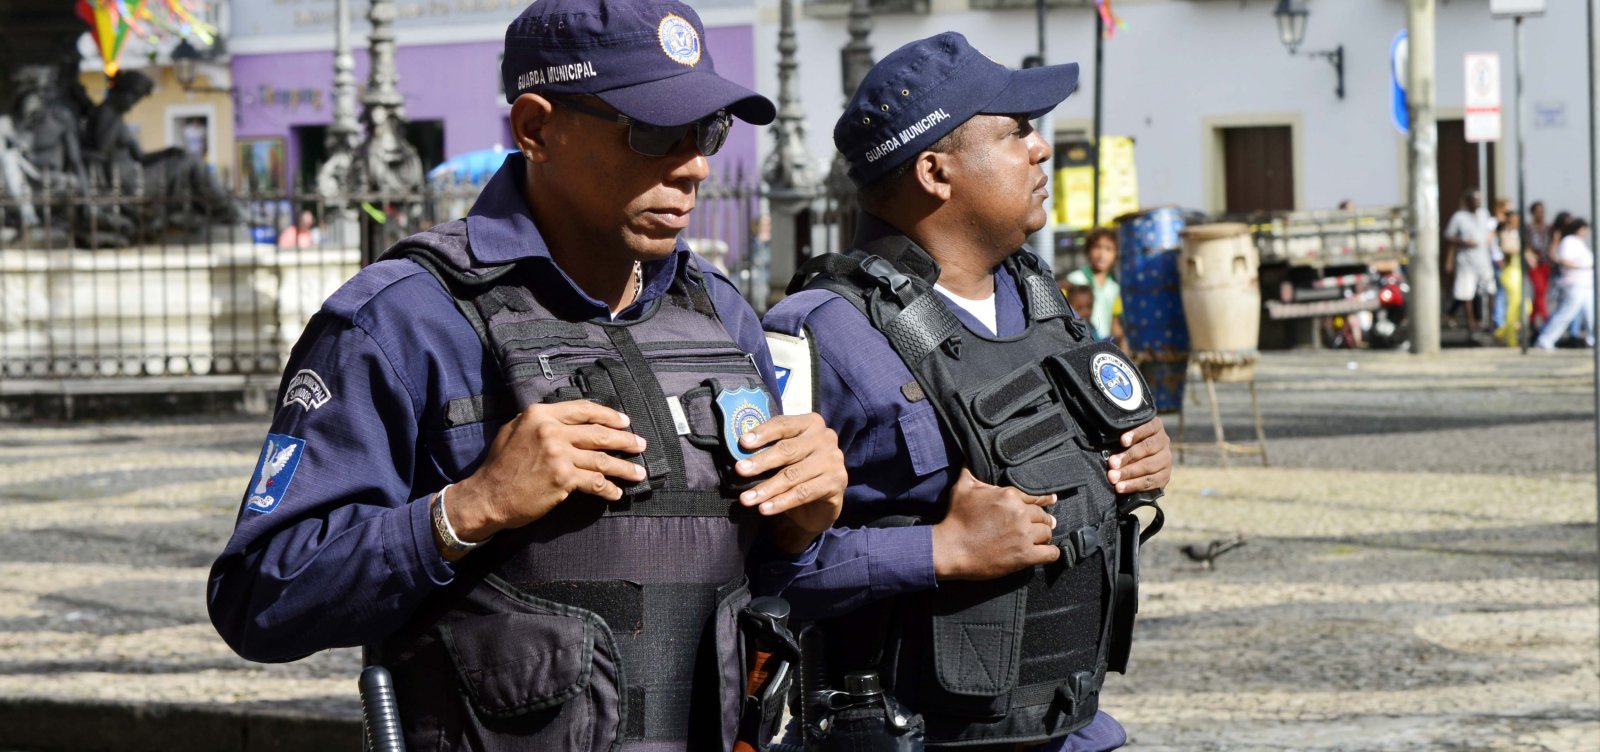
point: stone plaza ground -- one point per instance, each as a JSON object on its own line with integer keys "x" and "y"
{"x": 1419, "y": 573}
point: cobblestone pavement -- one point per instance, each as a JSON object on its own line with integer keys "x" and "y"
{"x": 1419, "y": 571}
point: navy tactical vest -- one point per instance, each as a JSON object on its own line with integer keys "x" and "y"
{"x": 603, "y": 625}
{"x": 1020, "y": 658}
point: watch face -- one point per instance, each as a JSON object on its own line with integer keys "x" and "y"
{"x": 1116, "y": 381}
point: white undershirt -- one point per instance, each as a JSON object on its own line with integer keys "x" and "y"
{"x": 982, "y": 309}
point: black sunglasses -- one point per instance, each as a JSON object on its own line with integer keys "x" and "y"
{"x": 711, "y": 132}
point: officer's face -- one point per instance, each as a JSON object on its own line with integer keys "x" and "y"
{"x": 1001, "y": 180}
{"x": 638, "y": 202}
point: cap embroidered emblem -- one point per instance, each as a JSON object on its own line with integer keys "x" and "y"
{"x": 679, "y": 40}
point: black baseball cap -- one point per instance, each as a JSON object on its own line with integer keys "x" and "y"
{"x": 647, "y": 58}
{"x": 921, "y": 92}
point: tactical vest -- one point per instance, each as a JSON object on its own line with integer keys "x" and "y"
{"x": 1020, "y": 658}
{"x": 603, "y": 625}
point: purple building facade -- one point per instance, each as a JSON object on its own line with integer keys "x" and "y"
{"x": 452, "y": 90}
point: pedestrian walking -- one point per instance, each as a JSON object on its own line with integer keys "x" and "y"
{"x": 1536, "y": 254}
{"x": 1575, "y": 261}
{"x": 1509, "y": 301}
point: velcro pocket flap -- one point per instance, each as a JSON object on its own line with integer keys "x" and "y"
{"x": 1056, "y": 472}
{"x": 511, "y": 664}
{"x": 1024, "y": 439}
{"x": 977, "y": 636}
{"x": 1010, "y": 394}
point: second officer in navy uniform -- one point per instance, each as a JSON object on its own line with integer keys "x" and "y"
{"x": 999, "y": 456}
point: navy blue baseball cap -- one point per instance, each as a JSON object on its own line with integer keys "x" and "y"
{"x": 921, "y": 92}
{"x": 647, "y": 58}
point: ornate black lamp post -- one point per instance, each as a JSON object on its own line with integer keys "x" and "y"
{"x": 1292, "y": 16}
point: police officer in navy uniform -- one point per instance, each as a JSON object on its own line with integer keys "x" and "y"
{"x": 888, "y": 341}
{"x": 518, "y": 457}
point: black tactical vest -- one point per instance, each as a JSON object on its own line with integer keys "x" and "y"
{"x": 603, "y": 625}
{"x": 1020, "y": 658}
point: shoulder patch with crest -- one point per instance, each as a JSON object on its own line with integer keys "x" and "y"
{"x": 307, "y": 390}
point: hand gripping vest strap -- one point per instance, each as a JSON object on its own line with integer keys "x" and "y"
{"x": 603, "y": 624}
{"x": 1020, "y": 658}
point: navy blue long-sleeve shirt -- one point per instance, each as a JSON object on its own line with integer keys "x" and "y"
{"x": 334, "y": 544}
{"x": 900, "y": 460}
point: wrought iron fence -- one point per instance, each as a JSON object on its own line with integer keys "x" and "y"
{"x": 134, "y": 289}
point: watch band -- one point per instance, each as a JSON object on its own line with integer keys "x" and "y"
{"x": 447, "y": 534}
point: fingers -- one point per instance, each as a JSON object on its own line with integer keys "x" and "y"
{"x": 591, "y": 482}
{"x": 1147, "y": 448}
{"x": 1040, "y": 501}
{"x": 786, "y": 451}
{"x": 608, "y": 465}
{"x": 1040, "y": 534}
{"x": 780, "y": 427}
{"x": 794, "y": 485}
{"x": 579, "y": 412}
{"x": 1143, "y": 432}
{"x": 1155, "y": 430}
{"x": 1043, "y": 554}
{"x": 602, "y": 438}
{"x": 1146, "y": 475}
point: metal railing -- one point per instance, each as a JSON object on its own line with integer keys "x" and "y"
{"x": 100, "y": 289}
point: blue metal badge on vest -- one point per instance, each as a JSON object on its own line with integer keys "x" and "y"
{"x": 1115, "y": 378}
{"x": 742, "y": 410}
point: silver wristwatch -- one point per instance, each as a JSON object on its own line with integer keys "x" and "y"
{"x": 441, "y": 525}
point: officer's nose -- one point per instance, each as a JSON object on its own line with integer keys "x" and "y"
{"x": 688, "y": 164}
{"x": 1038, "y": 148}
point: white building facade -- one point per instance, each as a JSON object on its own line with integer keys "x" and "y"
{"x": 1189, "y": 80}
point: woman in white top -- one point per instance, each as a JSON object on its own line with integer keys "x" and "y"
{"x": 1575, "y": 262}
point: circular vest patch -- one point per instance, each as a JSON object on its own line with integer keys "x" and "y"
{"x": 679, "y": 40}
{"x": 1114, "y": 376}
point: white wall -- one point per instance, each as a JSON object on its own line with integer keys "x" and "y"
{"x": 1183, "y": 63}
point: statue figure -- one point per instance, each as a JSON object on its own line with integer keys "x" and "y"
{"x": 386, "y": 162}
{"x": 15, "y": 173}
{"x": 180, "y": 190}
{"x": 41, "y": 158}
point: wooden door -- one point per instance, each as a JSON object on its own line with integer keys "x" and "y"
{"x": 1458, "y": 170}
{"x": 1258, "y": 168}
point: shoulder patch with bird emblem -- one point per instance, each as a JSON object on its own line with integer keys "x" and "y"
{"x": 279, "y": 458}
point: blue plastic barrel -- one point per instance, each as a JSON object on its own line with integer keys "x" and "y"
{"x": 1152, "y": 301}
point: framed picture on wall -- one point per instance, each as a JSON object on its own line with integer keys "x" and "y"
{"x": 262, "y": 165}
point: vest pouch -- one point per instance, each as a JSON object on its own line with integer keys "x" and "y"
{"x": 1125, "y": 596}
{"x": 1107, "y": 394}
{"x": 609, "y": 383}
{"x": 548, "y": 678}
{"x": 730, "y": 673}
{"x": 977, "y": 647}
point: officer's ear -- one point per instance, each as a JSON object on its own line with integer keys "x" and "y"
{"x": 530, "y": 117}
{"x": 931, "y": 173}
